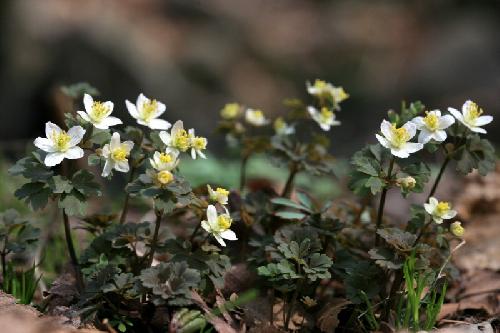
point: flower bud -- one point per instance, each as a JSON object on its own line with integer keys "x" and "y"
{"x": 407, "y": 183}
{"x": 457, "y": 229}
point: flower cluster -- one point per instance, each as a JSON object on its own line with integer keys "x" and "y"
{"x": 329, "y": 98}
{"x": 218, "y": 224}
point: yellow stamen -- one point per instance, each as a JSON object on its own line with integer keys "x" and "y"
{"x": 224, "y": 222}
{"x": 279, "y": 124}
{"x": 181, "y": 141}
{"x": 320, "y": 84}
{"x": 442, "y": 208}
{"x": 431, "y": 121}
{"x": 230, "y": 111}
{"x": 99, "y": 111}
{"x": 166, "y": 158}
{"x": 457, "y": 229}
{"x": 149, "y": 109}
{"x": 326, "y": 114}
{"x": 61, "y": 140}
{"x": 199, "y": 143}
{"x": 164, "y": 177}
{"x": 474, "y": 112}
{"x": 222, "y": 191}
{"x": 120, "y": 154}
{"x": 400, "y": 136}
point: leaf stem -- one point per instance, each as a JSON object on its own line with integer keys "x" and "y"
{"x": 72, "y": 253}
{"x": 159, "y": 215}
{"x": 131, "y": 178}
{"x": 243, "y": 171}
{"x": 438, "y": 178}
{"x": 287, "y": 190}
{"x": 380, "y": 213}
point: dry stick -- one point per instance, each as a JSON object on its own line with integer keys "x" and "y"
{"x": 71, "y": 250}
{"x": 380, "y": 213}
{"x": 287, "y": 190}
{"x": 151, "y": 254}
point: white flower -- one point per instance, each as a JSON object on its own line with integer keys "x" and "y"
{"x": 98, "y": 113}
{"x": 256, "y": 117}
{"x": 116, "y": 154}
{"x": 471, "y": 117}
{"x": 325, "y": 118}
{"x": 457, "y": 229}
{"x": 396, "y": 139}
{"x": 323, "y": 89}
{"x": 147, "y": 111}
{"x": 439, "y": 210}
{"x": 218, "y": 225}
{"x": 220, "y": 195}
{"x": 165, "y": 161}
{"x": 432, "y": 126}
{"x": 231, "y": 111}
{"x": 178, "y": 138}
{"x": 198, "y": 144}
{"x": 282, "y": 128}
{"x": 60, "y": 144}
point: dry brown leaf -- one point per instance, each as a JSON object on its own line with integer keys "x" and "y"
{"x": 328, "y": 316}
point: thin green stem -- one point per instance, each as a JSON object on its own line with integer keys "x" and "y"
{"x": 131, "y": 178}
{"x": 288, "y": 189}
{"x": 440, "y": 174}
{"x": 72, "y": 252}
{"x": 194, "y": 232}
{"x": 243, "y": 172}
{"x": 380, "y": 214}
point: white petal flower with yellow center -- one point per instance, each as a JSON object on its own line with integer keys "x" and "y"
{"x": 325, "y": 118}
{"x": 457, "y": 229}
{"x": 230, "y": 111}
{"x": 198, "y": 145}
{"x": 397, "y": 139}
{"x": 282, "y": 128}
{"x": 146, "y": 111}
{"x": 432, "y": 126}
{"x": 116, "y": 154}
{"x": 98, "y": 113}
{"x": 164, "y": 177}
{"x": 165, "y": 161}
{"x": 220, "y": 195}
{"x": 60, "y": 144}
{"x": 218, "y": 225}
{"x": 323, "y": 89}
{"x": 471, "y": 117}
{"x": 256, "y": 117}
{"x": 439, "y": 210}
{"x": 178, "y": 138}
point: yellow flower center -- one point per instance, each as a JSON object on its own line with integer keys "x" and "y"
{"x": 164, "y": 177}
{"x": 258, "y": 114}
{"x": 320, "y": 84}
{"x": 457, "y": 229}
{"x": 431, "y": 121}
{"x": 181, "y": 141}
{"x": 230, "y": 111}
{"x": 99, "y": 111}
{"x": 340, "y": 94}
{"x": 199, "y": 143}
{"x": 61, "y": 140}
{"x": 279, "y": 124}
{"x": 224, "y": 222}
{"x": 222, "y": 191}
{"x": 474, "y": 112}
{"x": 326, "y": 114}
{"x": 120, "y": 154}
{"x": 166, "y": 158}
{"x": 400, "y": 136}
{"x": 442, "y": 207}
{"x": 149, "y": 109}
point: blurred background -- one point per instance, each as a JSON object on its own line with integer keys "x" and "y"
{"x": 197, "y": 55}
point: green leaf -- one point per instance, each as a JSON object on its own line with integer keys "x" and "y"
{"x": 72, "y": 205}
{"x": 375, "y": 184}
{"x": 77, "y": 90}
{"x": 290, "y": 215}
{"x": 35, "y": 194}
{"x": 83, "y": 181}
{"x": 100, "y": 137}
{"x": 397, "y": 238}
{"x": 59, "y": 184}
{"x": 385, "y": 258}
{"x": 477, "y": 154}
{"x": 289, "y": 203}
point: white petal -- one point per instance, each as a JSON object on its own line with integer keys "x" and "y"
{"x": 477, "y": 129}
{"x": 109, "y": 106}
{"x": 161, "y": 109}
{"x": 74, "y": 153}
{"x": 219, "y": 239}
{"x": 434, "y": 202}
{"x": 84, "y": 115}
{"x": 108, "y": 166}
{"x": 211, "y": 214}
{"x": 411, "y": 128}
{"x": 193, "y": 153}
{"x": 401, "y": 153}
{"x": 312, "y": 111}
{"x": 383, "y": 141}
{"x": 159, "y": 124}
{"x": 165, "y": 137}
{"x": 87, "y": 102}
{"x": 483, "y": 120}
{"x": 122, "y": 166}
{"x": 106, "y": 151}
{"x": 456, "y": 114}
{"x": 386, "y": 129}
{"x": 51, "y": 128}
{"x": 446, "y": 121}
{"x": 412, "y": 147}
{"x": 228, "y": 234}
{"x": 424, "y": 136}
{"x": 201, "y": 154}
{"x": 206, "y": 226}
{"x": 325, "y": 127}
{"x": 178, "y": 126}
{"x": 76, "y": 133}
{"x": 428, "y": 208}
{"x": 132, "y": 109}
{"x": 438, "y": 220}
{"x": 53, "y": 159}
{"x": 128, "y": 145}
{"x": 45, "y": 145}
{"x": 450, "y": 214}
{"x": 115, "y": 141}
{"x": 108, "y": 122}
{"x": 439, "y": 136}
{"x": 419, "y": 122}
{"x": 141, "y": 99}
